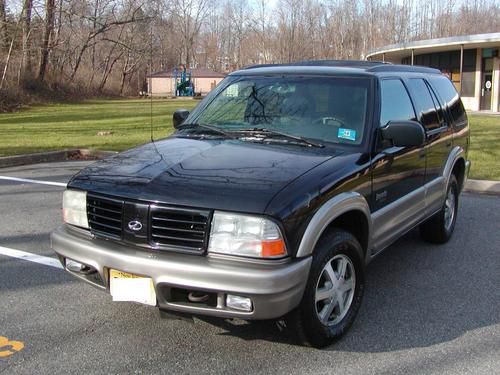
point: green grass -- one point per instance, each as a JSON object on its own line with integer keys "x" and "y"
{"x": 66, "y": 126}
{"x": 485, "y": 147}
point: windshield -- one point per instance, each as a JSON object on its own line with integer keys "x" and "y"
{"x": 326, "y": 109}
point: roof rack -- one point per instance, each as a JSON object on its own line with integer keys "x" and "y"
{"x": 403, "y": 68}
{"x": 333, "y": 63}
{"x": 369, "y": 66}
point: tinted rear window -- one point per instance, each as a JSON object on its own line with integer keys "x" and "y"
{"x": 426, "y": 106}
{"x": 450, "y": 98}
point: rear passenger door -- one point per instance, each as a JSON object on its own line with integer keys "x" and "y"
{"x": 439, "y": 137}
{"x": 437, "y": 127}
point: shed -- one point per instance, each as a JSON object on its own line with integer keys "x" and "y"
{"x": 162, "y": 83}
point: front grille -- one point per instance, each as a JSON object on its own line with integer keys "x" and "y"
{"x": 105, "y": 216}
{"x": 182, "y": 228}
{"x": 164, "y": 227}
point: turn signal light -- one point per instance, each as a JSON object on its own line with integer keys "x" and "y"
{"x": 273, "y": 248}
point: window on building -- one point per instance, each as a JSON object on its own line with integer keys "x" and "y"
{"x": 396, "y": 103}
{"x": 449, "y": 64}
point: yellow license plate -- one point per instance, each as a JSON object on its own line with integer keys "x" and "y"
{"x": 126, "y": 286}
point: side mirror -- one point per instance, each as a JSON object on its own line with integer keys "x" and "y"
{"x": 404, "y": 133}
{"x": 179, "y": 117}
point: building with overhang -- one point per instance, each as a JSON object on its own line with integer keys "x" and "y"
{"x": 471, "y": 61}
{"x": 164, "y": 83}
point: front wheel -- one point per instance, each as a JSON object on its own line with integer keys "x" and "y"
{"x": 439, "y": 228}
{"x": 333, "y": 293}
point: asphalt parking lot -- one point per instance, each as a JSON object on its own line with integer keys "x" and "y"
{"x": 427, "y": 309}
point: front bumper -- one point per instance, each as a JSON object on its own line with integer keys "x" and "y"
{"x": 275, "y": 288}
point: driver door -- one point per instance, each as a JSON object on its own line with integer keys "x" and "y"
{"x": 398, "y": 173}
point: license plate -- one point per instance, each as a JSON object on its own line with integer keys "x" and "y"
{"x": 132, "y": 288}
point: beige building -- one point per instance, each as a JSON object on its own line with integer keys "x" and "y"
{"x": 164, "y": 83}
{"x": 471, "y": 61}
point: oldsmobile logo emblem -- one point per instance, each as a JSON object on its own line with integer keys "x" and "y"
{"x": 135, "y": 225}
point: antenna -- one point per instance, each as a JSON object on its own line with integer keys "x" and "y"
{"x": 151, "y": 83}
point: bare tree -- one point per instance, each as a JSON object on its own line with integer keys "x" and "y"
{"x": 50, "y": 9}
{"x": 3, "y": 27}
{"x": 25, "y": 67}
{"x": 95, "y": 46}
{"x": 188, "y": 19}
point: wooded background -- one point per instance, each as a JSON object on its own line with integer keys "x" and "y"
{"x": 97, "y": 47}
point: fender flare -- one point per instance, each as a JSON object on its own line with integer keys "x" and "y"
{"x": 455, "y": 155}
{"x": 328, "y": 212}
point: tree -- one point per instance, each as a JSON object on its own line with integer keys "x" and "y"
{"x": 26, "y": 52}
{"x": 188, "y": 18}
{"x": 94, "y": 46}
{"x": 48, "y": 30}
{"x": 4, "y": 42}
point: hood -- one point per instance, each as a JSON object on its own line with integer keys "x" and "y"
{"x": 220, "y": 174}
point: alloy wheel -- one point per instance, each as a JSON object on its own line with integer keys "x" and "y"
{"x": 335, "y": 290}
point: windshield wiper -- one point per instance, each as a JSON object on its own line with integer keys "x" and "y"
{"x": 270, "y": 133}
{"x": 213, "y": 129}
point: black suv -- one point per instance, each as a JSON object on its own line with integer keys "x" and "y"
{"x": 273, "y": 194}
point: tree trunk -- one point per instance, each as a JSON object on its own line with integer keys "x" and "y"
{"x": 107, "y": 72}
{"x": 124, "y": 73}
{"x": 4, "y": 43}
{"x": 26, "y": 62}
{"x": 49, "y": 28}
{"x": 79, "y": 60}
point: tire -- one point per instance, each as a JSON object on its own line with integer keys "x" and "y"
{"x": 320, "y": 320}
{"x": 439, "y": 228}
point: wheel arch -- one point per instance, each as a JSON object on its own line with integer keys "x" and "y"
{"x": 455, "y": 165}
{"x": 348, "y": 211}
{"x": 459, "y": 172}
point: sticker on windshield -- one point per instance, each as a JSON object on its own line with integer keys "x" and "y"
{"x": 347, "y": 134}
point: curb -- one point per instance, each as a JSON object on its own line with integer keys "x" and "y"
{"x": 482, "y": 187}
{"x": 53, "y": 156}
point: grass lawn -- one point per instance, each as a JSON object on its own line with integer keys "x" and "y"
{"x": 485, "y": 147}
{"x": 66, "y": 126}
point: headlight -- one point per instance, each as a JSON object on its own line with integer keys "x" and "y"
{"x": 75, "y": 208}
{"x": 245, "y": 235}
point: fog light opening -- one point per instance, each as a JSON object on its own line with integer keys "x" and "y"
{"x": 74, "y": 266}
{"x": 239, "y": 303}
{"x": 77, "y": 267}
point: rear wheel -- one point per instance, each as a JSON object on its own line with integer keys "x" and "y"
{"x": 333, "y": 293}
{"x": 439, "y": 228}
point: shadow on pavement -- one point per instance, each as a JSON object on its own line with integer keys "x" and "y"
{"x": 417, "y": 295}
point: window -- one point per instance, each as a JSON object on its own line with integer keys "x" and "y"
{"x": 449, "y": 97}
{"x": 327, "y": 109}
{"x": 396, "y": 104}
{"x": 425, "y": 104}
{"x": 449, "y": 63}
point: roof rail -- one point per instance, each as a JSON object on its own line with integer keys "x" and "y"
{"x": 403, "y": 68}
{"x": 341, "y": 63}
{"x": 368, "y": 66}
{"x": 333, "y": 63}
